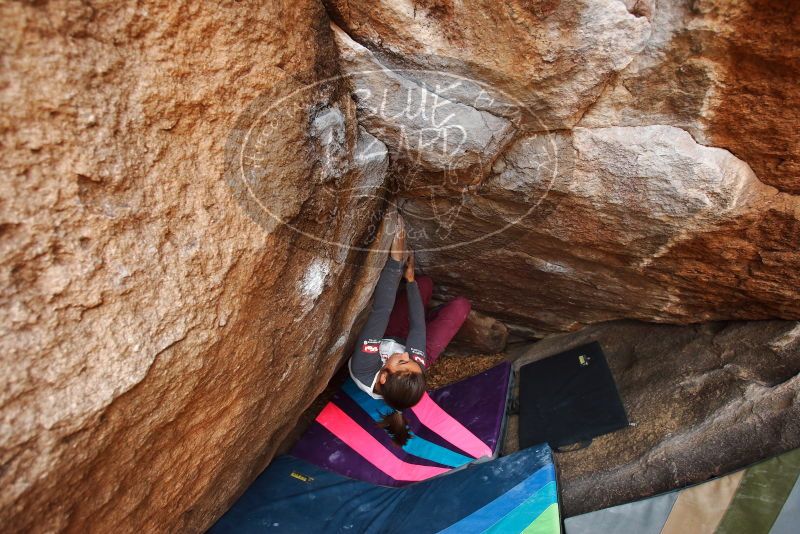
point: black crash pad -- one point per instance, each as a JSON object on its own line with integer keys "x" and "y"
{"x": 568, "y": 398}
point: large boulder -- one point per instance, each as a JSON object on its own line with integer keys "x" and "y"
{"x": 704, "y": 400}
{"x": 160, "y": 333}
{"x": 425, "y": 128}
{"x": 726, "y": 72}
{"x": 553, "y": 58}
{"x": 597, "y": 224}
{"x": 626, "y": 190}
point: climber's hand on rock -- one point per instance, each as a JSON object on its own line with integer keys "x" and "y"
{"x": 399, "y": 243}
{"x": 409, "y": 274}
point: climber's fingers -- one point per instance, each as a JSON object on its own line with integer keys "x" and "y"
{"x": 409, "y": 273}
{"x": 399, "y": 242}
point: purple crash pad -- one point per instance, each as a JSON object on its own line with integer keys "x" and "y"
{"x": 478, "y": 403}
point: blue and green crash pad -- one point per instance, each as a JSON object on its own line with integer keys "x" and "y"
{"x": 515, "y": 493}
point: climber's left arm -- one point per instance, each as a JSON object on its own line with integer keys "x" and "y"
{"x": 415, "y": 341}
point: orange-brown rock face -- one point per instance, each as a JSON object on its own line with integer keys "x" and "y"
{"x": 553, "y": 57}
{"x": 756, "y": 113}
{"x": 646, "y": 176}
{"x": 636, "y": 222}
{"x": 160, "y": 332}
{"x": 725, "y": 71}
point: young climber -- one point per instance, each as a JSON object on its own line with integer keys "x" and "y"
{"x": 395, "y": 346}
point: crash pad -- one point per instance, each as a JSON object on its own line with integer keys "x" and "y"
{"x": 451, "y": 427}
{"x": 761, "y": 499}
{"x": 568, "y": 398}
{"x": 514, "y": 493}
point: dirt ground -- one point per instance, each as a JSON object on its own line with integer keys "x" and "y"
{"x": 451, "y": 367}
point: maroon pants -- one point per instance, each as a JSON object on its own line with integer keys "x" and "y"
{"x": 441, "y": 323}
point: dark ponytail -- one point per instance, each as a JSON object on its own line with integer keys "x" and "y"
{"x": 400, "y": 391}
{"x": 397, "y": 425}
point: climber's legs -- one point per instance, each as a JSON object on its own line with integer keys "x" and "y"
{"x": 442, "y": 325}
{"x": 398, "y": 320}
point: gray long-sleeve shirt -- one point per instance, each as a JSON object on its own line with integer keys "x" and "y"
{"x": 372, "y": 348}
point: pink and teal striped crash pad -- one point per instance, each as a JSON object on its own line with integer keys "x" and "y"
{"x": 452, "y": 426}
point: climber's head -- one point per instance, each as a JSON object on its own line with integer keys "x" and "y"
{"x": 400, "y": 362}
{"x": 401, "y": 381}
{"x": 402, "y": 384}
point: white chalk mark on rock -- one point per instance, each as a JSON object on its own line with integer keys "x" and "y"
{"x": 314, "y": 279}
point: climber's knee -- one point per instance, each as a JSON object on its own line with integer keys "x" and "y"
{"x": 461, "y": 305}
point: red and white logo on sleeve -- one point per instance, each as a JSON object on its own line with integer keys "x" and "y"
{"x": 370, "y": 347}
